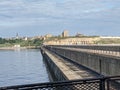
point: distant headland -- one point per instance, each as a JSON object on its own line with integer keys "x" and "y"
{"x": 64, "y": 38}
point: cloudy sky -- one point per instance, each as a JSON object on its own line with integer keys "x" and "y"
{"x": 39, "y": 17}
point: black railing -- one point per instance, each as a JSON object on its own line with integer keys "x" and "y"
{"x": 105, "y": 83}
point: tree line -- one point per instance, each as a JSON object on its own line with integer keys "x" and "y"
{"x": 34, "y": 42}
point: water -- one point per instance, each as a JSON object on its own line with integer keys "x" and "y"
{"x": 22, "y": 67}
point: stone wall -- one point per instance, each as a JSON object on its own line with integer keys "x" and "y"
{"x": 72, "y": 41}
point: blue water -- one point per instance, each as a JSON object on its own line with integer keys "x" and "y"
{"x": 22, "y": 67}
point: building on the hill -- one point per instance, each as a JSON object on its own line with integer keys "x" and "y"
{"x": 65, "y": 33}
{"x": 79, "y": 35}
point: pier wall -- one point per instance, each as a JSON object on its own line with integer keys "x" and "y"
{"x": 54, "y": 71}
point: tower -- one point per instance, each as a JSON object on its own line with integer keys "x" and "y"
{"x": 17, "y": 36}
{"x": 65, "y": 33}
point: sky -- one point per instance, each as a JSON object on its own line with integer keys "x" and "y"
{"x": 40, "y": 17}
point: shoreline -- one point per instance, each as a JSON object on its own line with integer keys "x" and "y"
{"x": 19, "y": 48}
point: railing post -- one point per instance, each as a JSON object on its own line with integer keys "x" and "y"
{"x": 100, "y": 66}
{"x": 108, "y": 85}
{"x": 102, "y": 84}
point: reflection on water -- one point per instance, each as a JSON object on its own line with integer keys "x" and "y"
{"x": 21, "y": 67}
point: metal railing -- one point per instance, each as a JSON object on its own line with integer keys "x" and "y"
{"x": 105, "y": 83}
{"x": 101, "y": 49}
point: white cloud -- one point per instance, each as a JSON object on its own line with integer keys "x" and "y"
{"x": 47, "y": 11}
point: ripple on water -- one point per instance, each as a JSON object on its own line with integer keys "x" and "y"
{"x": 22, "y": 67}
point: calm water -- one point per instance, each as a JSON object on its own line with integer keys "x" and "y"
{"x": 22, "y": 67}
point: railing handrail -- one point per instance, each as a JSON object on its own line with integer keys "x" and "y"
{"x": 49, "y": 84}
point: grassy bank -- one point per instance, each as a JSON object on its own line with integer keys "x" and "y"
{"x": 23, "y": 43}
{"x": 108, "y": 41}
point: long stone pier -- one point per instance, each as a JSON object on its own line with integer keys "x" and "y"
{"x": 79, "y": 62}
{"x": 61, "y": 69}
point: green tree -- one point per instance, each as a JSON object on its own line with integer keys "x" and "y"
{"x": 2, "y": 41}
{"x": 37, "y": 42}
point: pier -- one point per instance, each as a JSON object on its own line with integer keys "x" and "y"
{"x": 82, "y": 67}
